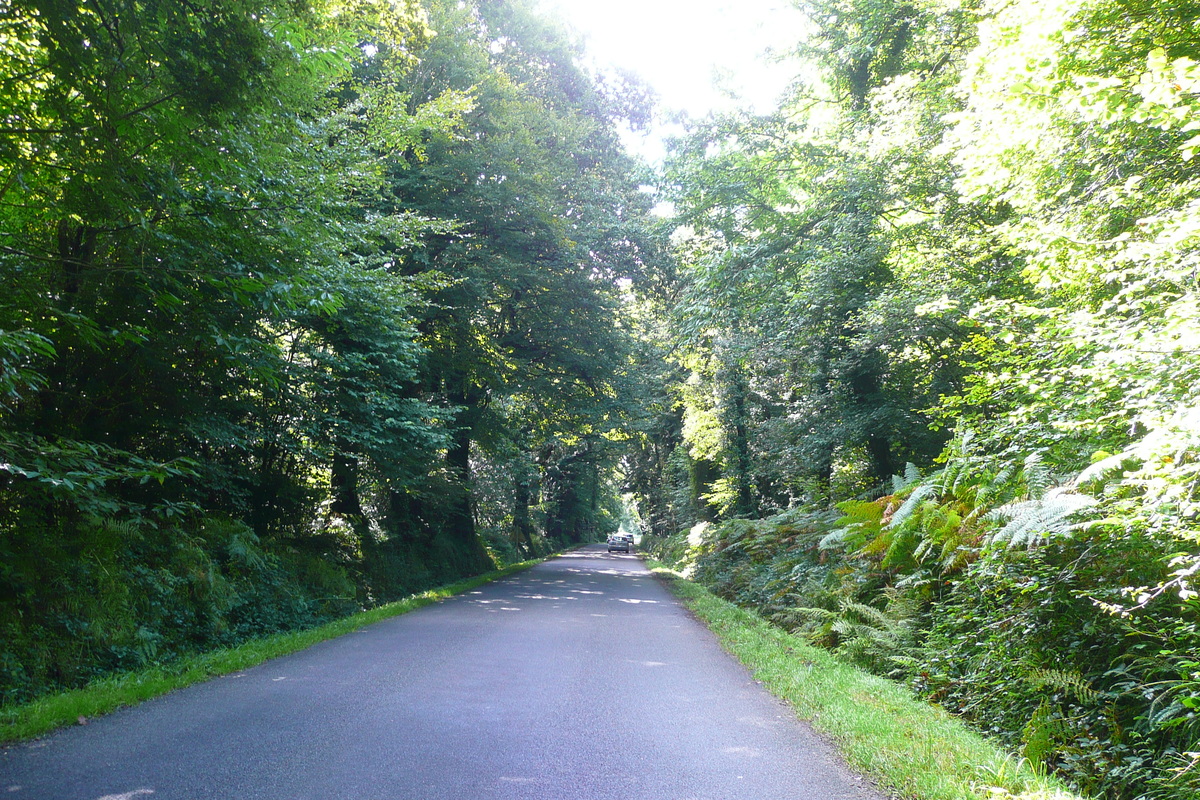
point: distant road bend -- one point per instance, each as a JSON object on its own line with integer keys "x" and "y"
{"x": 580, "y": 679}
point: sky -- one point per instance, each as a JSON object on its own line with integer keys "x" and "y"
{"x": 694, "y": 53}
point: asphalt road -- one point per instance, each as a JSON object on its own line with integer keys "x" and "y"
{"x": 580, "y": 679}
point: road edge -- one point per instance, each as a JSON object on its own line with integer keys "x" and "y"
{"x": 46, "y": 714}
{"x": 912, "y": 749}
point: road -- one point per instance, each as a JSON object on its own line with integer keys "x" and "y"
{"x": 580, "y": 679}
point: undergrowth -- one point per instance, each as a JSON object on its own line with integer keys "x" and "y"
{"x": 909, "y": 747}
{"x": 105, "y": 694}
{"x": 1049, "y": 614}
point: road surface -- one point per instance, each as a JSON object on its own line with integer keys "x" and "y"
{"x": 580, "y": 679}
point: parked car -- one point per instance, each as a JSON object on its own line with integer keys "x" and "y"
{"x": 618, "y": 542}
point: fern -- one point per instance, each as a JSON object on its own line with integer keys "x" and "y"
{"x": 859, "y": 633}
{"x": 123, "y": 529}
{"x": 911, "y": 503}
{"x": 1104, "y": 468}
{"x": 901, "y": 482}
{"x": 1067, "y": 681}
{"x": 990, "y": 491}
{"x": 1040, "y": 734}
{"x": 1037, "y": 476}
{"x": 901, "y": 546}
{"x": 860, "y": 522}
{"x": 943, "y": 537}
{"x": 244, "y": 547}
{"x": 1029, "y": 523}
{"x": 858, "y": 512}
{"x": 793, "y": 617}
{"x": 837, "y": 540}
{"x": 867, "y": 614}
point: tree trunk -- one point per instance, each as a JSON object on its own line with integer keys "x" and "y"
{"x": 522, "y": 523}
{"x": 866, "y": 386}
{"x": 460, "y": 518}
{"x": 344, "y": 486}
{"x": 744, "y": 504}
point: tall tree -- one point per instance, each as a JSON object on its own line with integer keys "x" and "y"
{"x": 179, "y": 243}
{"x": 548, "y": 219}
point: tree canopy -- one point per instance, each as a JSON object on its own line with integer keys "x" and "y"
{"x": 936, "y": 322}
{"x": 305, "y": 306}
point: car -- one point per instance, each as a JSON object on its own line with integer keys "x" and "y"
{"x": 618, "y": 542}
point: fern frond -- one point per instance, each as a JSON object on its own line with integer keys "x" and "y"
{"x": 958, "y": 552}
{"x": 1068, "y": 681}
{"x": 860, "y": 511}
{"x": 1168, "y": 714}
{"x": 993, "y": 489}
{"x": 962, "y": 445}
{"x": 814, "y": 614}
{"x": 976, "y": 513}
{"x": 125, "y": 529}
{"x": 1040, "y": 733}
{"x": 867, "y": 614}
{"x": 861, "y": 637}
{"x": 900, "y": 549}
{"x": 1032, "y": 522}
{"x": 911, "y": 503}
{"x": 835, "y": 539}
{"x": 793, "y": 618}
{"x": 1103, "y": 468}
{"x": 1037, "y": 476}
{"x": 942, "y": 477}
{"x": 911, "y": 475}
{"x": 244, "y": 547}
{"x": 923, "y": 549}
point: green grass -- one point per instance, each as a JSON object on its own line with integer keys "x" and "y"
{"x": 909, "y": 747}
{"x": 47, "y": 713}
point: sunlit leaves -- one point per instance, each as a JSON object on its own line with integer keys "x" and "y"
{"x": 18, "y": 377}
{"x": 998, "y": 218}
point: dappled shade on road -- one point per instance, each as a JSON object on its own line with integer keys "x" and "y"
{"x": 581, "y": 678}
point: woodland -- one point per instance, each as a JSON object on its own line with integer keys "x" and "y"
{"x": 308, "y": 306}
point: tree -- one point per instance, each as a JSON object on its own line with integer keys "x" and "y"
{"x": 178, "y": 240}
{"x": 549, "y": 220}
{"x": 978, "y": 217}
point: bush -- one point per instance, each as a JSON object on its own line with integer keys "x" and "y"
{"x": 1031, "y": 636}
{"x": 84, "y": 600}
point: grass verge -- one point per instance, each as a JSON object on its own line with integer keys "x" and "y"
{"x": 910, "y": 748}
{"x": 102, "y": 696}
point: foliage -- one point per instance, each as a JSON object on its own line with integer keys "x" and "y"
{"x": 524, "y": 339}
{"x": 1015, "y": 638}
{"x": 967, "y": 241}
{"x": 107, "y": 596}
{"x": 262, "y": 322}
{"x": 903, "y": 742}
{"x": 303, "y": 308}
{"x": 23, "y": 721}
